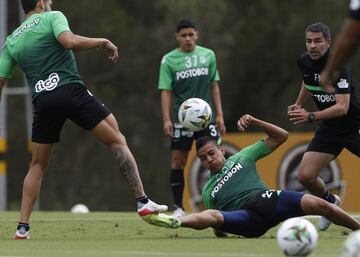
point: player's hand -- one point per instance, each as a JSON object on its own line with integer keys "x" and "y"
{"x": 168, "y": 128}
{"x": 298, "y": 116}
{"x": 220, "y": 125}
{"x": 111, "y": 50}
{"x": 244, "y": 122}
{"x": 293, "y": 107}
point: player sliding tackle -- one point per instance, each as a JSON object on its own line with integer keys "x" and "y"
{"x": 238, "y": 201}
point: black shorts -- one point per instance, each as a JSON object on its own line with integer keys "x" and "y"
{"x": 53, "y": 108}
{"x": 264, "y": 211}
{"x": 184, "y": 138}
{"x": 325, "y": 141}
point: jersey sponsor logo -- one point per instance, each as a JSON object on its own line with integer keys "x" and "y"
{"x": 317, "y": 77}
{"x": 324, "y": 98}
{"x": 48, "y": 84}
{"x": 355, "y": 5}
{"x": 226, "y": 178}
{"x": 190, "y": 73}
{"x": 343, "y": 84}
{"x": 25, "y": 27}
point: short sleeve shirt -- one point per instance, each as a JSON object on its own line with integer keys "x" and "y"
{"x": 238, "y": 181}
{"x": 35, "y": 48}
{"x": 188, "y": 74}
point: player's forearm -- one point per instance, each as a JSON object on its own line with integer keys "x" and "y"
{"x": 345, "y": 45}
{"x": 166, "y": 105}
{"x": 276, "y": 135}
{"x": 215, "y": 93}
{"x": 303, "y": 95}
{"x": 2, "y": 85}
{"x": 334, "y": 111}
{"x": 75, "y": 42}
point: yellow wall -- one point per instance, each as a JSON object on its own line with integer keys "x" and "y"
{"x": 269, "y": 167}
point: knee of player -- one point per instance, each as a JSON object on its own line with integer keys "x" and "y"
{"x": 306, "y": 177}
{"x": 216, "y": 217}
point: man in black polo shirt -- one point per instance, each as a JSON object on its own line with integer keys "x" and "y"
{"x": 338, "y": 114}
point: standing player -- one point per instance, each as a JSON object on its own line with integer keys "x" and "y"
{"x": 345, "y": 45}
{"x": 338, "y": 113}
{"x": 186, "y": 72}
{"x": 41, "y": 46}
{"x": 238, "y": 200}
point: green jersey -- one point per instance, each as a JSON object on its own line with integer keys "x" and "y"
{"x": 238, "y": 181}
{"x": 34, "y": 46}
{"x": 188, "y": 74}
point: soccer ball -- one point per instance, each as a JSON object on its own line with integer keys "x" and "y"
{"x": 79, "y": 208}
{"x": 297, "y": 237}
{"x": 195, "y": 114}
{"x": 352, "y": 245}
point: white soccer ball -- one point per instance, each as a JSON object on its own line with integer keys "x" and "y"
{"x": 352, "y": 245}
{"x": 297, "y": 237}
{"x": 80, "y": 208}
{"x": 195, "y": 114}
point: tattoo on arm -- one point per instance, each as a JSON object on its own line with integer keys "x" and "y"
{"x": 127, "y": 166}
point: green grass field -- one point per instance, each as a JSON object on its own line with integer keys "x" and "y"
{"x": 110, "y": 234}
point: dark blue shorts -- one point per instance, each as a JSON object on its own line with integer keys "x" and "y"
{"x": 266, "y": 210}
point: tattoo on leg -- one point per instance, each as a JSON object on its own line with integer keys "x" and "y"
{"x": 129, "y": 170}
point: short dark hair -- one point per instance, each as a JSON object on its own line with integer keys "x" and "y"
{"x": 28, "y": 5}
{"x": 185, "y": 23}
{"x": 319, "y": 27}
{"x": 201, "y": 141}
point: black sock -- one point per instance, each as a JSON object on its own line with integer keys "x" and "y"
{"x": 144, "y": 199}
{"x": 328, "y": 197}
{"x": 25, "y": 225}
{"x": 177, "y": 186}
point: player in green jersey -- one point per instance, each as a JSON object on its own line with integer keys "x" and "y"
{"x": 238, "y": 201}
{"x": 42, "y": 46}
{"x": 186, "y": 72}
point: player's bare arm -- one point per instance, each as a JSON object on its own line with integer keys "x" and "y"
{"x": 341, "y": 108}
{"x": 75, "y": 42}
{"x": 345, "y": 45}
{"x": 276, "y": 135}
{"x": 165, "y": 108}
{"x": 303, "y": 95}
{"x": 215, "y": 93}
{"x": 2, "y": 85}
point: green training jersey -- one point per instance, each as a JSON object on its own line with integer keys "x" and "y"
{"x": 188, "y": 74}
{"x": 35, "y": 48}
{"x": 238, "y": 181}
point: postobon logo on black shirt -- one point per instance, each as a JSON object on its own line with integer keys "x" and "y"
{"x": 48, "y": 84}
{"x": 289, "y": 168}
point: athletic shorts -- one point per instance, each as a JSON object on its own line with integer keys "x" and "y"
{"x": 325, "y": 141}
{"x": 266, "y": 210}
{"x": 53, "y": 108}
{"x": 184, "y": 138}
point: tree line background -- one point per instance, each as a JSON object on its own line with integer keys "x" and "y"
{"x": 256, "y": 44}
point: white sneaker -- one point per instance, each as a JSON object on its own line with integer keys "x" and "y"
{"x": 22, "y": 234}
{"x": 324, "y": 223}
{"x": 150, "y": 208}
{"x": 179, "y": 212}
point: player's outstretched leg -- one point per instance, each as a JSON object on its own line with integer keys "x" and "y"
{"x": 312, "y": 205}
{"x": 162, "y": 220}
